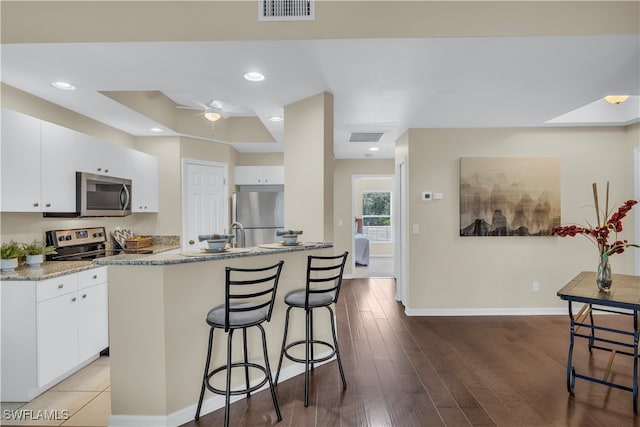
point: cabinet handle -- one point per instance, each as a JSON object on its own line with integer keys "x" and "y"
{"x": 99, "y": 169}
{"x": 84, "y": 296}
{"x": 95, "y": 276}
{"x": 48, "y": 205}
{"x": 36, "y": 204}
{"x": 106, "y": 171}
{"x": 73, "y": 299}
{"x": 191, "y": 242}
{"x": 60, "y": 286}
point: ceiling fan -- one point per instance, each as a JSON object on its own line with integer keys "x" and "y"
{"x": 216, "y": 109}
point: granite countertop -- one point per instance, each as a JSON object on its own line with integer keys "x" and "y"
{"x": 48, "y": 270}
{"x": 198, "y": 256}
{"x": 51, "y": 269}
{"x": 153, "y": 249}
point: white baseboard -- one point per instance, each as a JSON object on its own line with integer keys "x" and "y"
{"x": 213, "y": 403}
{"x": 485, "y": 311}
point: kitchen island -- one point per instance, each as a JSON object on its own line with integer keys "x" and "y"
{"x": 158, "y": 335}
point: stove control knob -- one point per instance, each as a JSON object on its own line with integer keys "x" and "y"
{"x": 61, "y": 239}
{"x": 67, "y": 238}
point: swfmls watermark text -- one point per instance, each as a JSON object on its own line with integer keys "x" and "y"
{"x": 35, "y": 415}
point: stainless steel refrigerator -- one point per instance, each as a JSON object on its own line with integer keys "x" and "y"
{"x": 261, "y": 213}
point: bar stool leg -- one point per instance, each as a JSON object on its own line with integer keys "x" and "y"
{"x": 284, "y": 342}
{"x": 206, "y": 372}
{"x": 310, "y": 341}
{"x": 268, "y": 373}
{"x": 246, "y": 359}
{"x": 335, "y": 343}
{"x": 227, "y": 402}
{"x": 306, "y": 358}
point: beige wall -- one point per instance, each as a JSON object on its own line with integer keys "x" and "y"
{"x": 308, "y": 166}
{"x": 343, "y": 171}
{"x": 30, "y": 22}
{"x": 260, "y": 159}
{"x": 447, "y": 271}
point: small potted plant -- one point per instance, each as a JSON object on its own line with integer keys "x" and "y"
{"x": 9, "y": 254}
{"x": 35, "y": 252}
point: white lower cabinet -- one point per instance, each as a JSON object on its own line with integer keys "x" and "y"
{"x": 57, "y": 345}
{"x": 93, "y": 320}
{"x": 51, "y": 328}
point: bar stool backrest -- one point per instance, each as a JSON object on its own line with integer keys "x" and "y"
{"x": 324, "y": 275}
{"x": 249, "y": 289}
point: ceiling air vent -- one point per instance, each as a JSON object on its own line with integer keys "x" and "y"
{"x": 365, "y": 136}
{"x": 286, "y": 10}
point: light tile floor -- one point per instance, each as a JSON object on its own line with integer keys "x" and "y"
{"x": 83, "y": 399}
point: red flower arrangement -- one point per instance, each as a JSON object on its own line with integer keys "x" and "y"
{"x": 600, "y": 233}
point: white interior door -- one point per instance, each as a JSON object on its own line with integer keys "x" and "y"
{"x": 205, "y": 201}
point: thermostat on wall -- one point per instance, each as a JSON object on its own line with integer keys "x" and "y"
{"x": 426, "y": 195}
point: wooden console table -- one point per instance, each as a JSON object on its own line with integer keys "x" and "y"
{"x": 623, "y": 298}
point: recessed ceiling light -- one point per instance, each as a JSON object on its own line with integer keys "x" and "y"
{"x": 276, "y": 118}
{"x": 253, "y": 76}
{"x": 374, "y": 149}
{"x": 616, "y": 99}
{"x": 63, "y": 85}
{"x": 156, "y": 130}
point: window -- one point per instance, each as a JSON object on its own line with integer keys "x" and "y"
{"x": 376, "y": 215}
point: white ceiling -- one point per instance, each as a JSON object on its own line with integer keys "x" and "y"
{"x": 387, "y": 85}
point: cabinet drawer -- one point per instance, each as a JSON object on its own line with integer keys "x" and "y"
{"x": 92, "y": 277}
{"x": 57, "y": 286}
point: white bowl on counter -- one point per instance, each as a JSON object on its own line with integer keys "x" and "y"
{"x": 217, "y": 244}
{"x": 289, "y": 239}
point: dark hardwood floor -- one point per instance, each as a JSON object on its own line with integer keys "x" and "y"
{"x": 445, "y": 371}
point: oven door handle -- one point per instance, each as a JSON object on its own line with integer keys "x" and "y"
{"x": 125, "y": 204}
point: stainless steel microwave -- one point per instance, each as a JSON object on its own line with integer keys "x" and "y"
{"x": 100, "y": 195}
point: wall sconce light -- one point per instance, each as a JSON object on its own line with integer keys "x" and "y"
{"x": 616, "y": 99}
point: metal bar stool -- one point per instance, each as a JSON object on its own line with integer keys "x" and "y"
{"x": 249, "y": 297}
{"x": 324, "y": 278}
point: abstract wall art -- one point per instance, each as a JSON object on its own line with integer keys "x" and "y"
{"x": 506, "y": 196}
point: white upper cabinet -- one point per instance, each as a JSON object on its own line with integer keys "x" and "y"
{"x": 103, "y": 158}
{"x": 142, "y": 169}
{"x": 259, "y": 175}
{"x": 62, "y": 155}
{"x": 40, "y": 161}
{"x": 20, "y": 163}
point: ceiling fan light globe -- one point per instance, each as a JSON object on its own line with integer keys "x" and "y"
{"x": 616, "y": 99}
{"x": 211, "y": 116}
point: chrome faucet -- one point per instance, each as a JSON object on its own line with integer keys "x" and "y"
{"x": 238, "y": 243}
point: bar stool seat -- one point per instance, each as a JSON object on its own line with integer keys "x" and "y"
{"x": 256, "y": 289}
{"x": 216, "y": 316}
{"x": 324, "y": 279}
{"x": 296, "y": 298}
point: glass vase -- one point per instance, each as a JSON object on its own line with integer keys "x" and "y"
{"x": 603, "y": 275}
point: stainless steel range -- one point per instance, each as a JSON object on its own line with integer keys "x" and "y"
{"x": 77, "y": 244}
